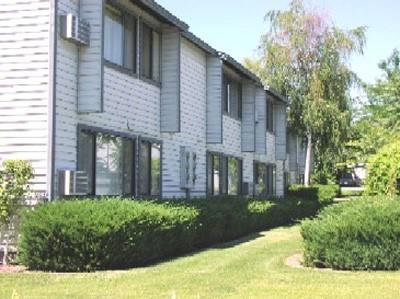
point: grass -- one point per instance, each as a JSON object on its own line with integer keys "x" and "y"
{"x": 253, "y": 267}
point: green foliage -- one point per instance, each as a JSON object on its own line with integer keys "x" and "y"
{"x": 305, "y": 57}
{"x": 384, "y": 171}
{"x": 379, "y": 120}
{"x": 356, "y": 235}
{"x": 90, "y": 235}
{"x": 324, "y": 194}
{"x": 14, "y": 176}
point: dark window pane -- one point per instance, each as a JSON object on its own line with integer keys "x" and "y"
{"x": 224, "y": 175}
{"x": 146, "y": 52}
{"x": 130, "y": 42}
{"x": 156, "y": 56}
{"x": 155, "y": 170}
{"x": 233, "y": 176}
{"x": 109, "y": 162}
{"x": 216, "y": 174}
{"x": 113, "y": 36}
{"x": 260, "y": 179}
{"x": 128, "y": 166}
{"x": 144, "y": 168}
{"x": 86, "y": 146}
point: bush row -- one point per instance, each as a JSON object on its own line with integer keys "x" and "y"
{"x": 324, "y": 194}
{"x": 361, "y": 234}
{"x": 87, "y": 235}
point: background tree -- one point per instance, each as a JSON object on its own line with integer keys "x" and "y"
{"x": 305, "y": 57}
{"x": 379, "y": 120}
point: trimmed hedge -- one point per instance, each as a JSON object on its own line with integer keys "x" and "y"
{"x": 361, "y": 234}
{"x": 88, "y": 235}
{"x": 324, "y": 194}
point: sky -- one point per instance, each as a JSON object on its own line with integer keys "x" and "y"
{"x": 235, "y": 26}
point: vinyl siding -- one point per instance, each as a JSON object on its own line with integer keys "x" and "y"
{"x": 248, "y": 118}
{"x": 193, "y": 124}
{"x": 90, "y": 59}
{"x": 170, "y": 90}
{"x": 260, "y": 125}
{"x": 24, "y": 85}
{"x": 131, "y": 105}
{"x": 280, "y": 131}
{"x": 214, "y": 100}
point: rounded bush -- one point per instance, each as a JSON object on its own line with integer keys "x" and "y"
{"x": 362, "y": 234}
{"x": 384, "y": 171}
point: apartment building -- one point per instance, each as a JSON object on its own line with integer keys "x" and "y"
{"x": 120, "y": 98}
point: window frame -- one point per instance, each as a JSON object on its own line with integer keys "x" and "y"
{"x": 269, "y": 179}
{"x": 136, "y": 71}
{"x": 223, "y": 174}
{"x": 94, "y": 131}
{"x": 227, "y": 83}
{"x": 150, "y": 142}
{"x": 270, "y": 116}
{"x": 113, "y": 7}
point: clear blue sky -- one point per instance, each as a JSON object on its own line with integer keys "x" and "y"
{"x": 235, "y": 26}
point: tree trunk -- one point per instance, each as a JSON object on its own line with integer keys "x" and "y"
{"x": 307, "y": 169}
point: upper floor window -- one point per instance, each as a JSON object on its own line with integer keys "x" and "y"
{"x": 270, "y": 116}
{"x": 150, "y": 53}
{"x": 121, "y": 45}
{"x": 232, "y": 97}
{"x": 120, "y": 38}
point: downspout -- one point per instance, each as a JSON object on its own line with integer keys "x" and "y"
{"x": 52, "y": 101}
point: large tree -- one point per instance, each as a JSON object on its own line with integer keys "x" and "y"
{"x": 305, "y": 57}
{"x": 379, "y": 123}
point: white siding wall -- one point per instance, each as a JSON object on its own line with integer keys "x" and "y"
{"x": 130, "y": 105}
{"x": 231, "y": 144}
{"x": 24, "y": 88}
{"x": 193, "y": 124}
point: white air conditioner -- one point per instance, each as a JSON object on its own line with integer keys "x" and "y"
{"x": 72, "y": 182}
{"x": 74, "y": 29}
{"x": 188, "y": 161}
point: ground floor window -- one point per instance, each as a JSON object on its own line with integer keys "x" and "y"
{"x": 264, "y": 179}
{"x": 224, "y": 174}
{"x": 149, "y": 169}
{"x": 109, "y": 162}
{"x": 113, "y": 163}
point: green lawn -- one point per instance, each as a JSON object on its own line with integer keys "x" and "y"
{"x": 250, "y": 268}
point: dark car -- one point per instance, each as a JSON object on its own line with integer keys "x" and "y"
{"x": 349, "y": 180}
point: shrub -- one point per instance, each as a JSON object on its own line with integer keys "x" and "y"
{"x": 14, "y": 176}
{"x": 89, "y": 235}
{"x": 384, "y": 171}
{"x": 324, "y": 194}
{"x": 356, "y": 235}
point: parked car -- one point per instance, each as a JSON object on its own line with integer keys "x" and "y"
{"x": 349, "y": 180}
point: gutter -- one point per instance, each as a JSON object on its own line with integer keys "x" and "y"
{"x": 52, "y": 102}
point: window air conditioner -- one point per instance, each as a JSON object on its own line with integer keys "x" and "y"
{"x": 75, "y": 30}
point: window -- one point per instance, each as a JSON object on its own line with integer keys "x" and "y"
{"x": 150, "y": 169}
{"x": 234, "y": 176}
{"x": 120, "y": 38}
{"x": 232, "y": 97}
{"x": 224, "y": 174}
{"x": 150, "y": 53}
{"x": 264, "y": 179}
{"x": 270, "y": 116}
{"x": 213, "y": 175}
{"x": 108, "y": 161}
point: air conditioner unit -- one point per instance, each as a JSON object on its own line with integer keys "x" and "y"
{"x": 75, "y": 30}
{"x": 71, "y": 182}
